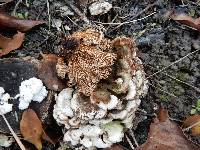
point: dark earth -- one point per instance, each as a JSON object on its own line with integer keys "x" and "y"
{"x": 160, "y": 41}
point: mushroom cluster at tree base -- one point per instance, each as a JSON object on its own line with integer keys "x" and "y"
{"x": 106, "y": 81}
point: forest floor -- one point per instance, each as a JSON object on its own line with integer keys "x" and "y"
{"x": 174, "y": 80}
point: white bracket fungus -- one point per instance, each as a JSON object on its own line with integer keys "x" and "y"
{"x": 31, "y": 90}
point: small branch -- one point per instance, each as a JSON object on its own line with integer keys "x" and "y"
{"x": 193, "y": 125}
{"x": 142, "y": 11}
{"x": 133, "y": 136}
{"x": 176, "y": 79}
{"x": 49, "y": 17}
{"x": 129, "y": 142}
{"x": 16, "y": 6}
{"x": 175, "y": 62}
{"x": 13, "y": 133}
{"x": 161, "y": 89}
{"x": 127, "y": 22}
{"x": 78, "y": 12}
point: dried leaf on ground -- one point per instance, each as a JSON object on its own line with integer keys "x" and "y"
{"x": 9, "y": 44}
{"x": 5, "y": 1}
{"x": 47, "y": 73}
{"x": 12, "y": 23}
{"x": 184, "y": 19}
{"x": 166, "y": 135}
{"x": 191, "y": 121}
{"x": 32, "y": 130}
{"x": 115, "y": 147}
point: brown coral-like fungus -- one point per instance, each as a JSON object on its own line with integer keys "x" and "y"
{"x": 89, "y": 63}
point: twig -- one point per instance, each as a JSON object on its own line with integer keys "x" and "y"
{"x": 142, "y": 11}
{"x": 127, "y": 22}
{"x": 133, "y": 136}
{"x": 163, "y": 90}
{"x": 193, "y": 125}
{"x": 73, "y": 22}
{"x": 129, "y": 142}
{"x": 16, "y": 6}
{"x": 49, "y": 17}
{"x": 175, "y": 62}
{"x": 78, "y": 12}
{"x": 5, "y": 2}
{"x": 178, "y": 80}
{"x": 13, "y": 133}
{"x": 174, "y": 78}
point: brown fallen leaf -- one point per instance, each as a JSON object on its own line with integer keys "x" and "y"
{"x": 184, "y": 19}
{"x": 12, "y": 23}
{"x": 2, "y": 2}
{"x": 166, "y": 135}
{"x": 9, "y": 44}
{"x": 195, "y": 122}
{"x": 47, "y": 72}
{"x": 32, "y": 130}
{"x": 115, "y": 147}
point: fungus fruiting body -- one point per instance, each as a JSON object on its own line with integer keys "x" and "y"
{"x": 5, "y": 107}
{"x": 107, "y": 80}
{"x": 31, "y": 90}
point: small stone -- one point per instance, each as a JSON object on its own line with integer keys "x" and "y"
{"x": 67, "y": 28}
{"x": 99, "y": 8}
{"x": 57, "y": 23}
{"x": 65, "y": 11}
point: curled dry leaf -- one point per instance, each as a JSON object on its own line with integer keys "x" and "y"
{"x": 195, "y": 122}
{"x": 32, "y": 130}
{"x": 166, "y": 135}
{"x": 12, "y": 23}
{"x": 47, "y": 72}
{"x": 184, "y": 19}
{"x": 9, "y": 44}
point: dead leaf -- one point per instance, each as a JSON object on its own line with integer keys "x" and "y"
{"x": 191, "y": 121}
{"x": 115, "y": 147}
{"x": 166, "y": 135}
{"x": 9, "y": 44}
{"x": 184, "y": 19}
{"x": 32, "y": 130}
{"x": 47, "y": 73}
{"x": 12, "y": 23}
{"x": 5, "y": 2}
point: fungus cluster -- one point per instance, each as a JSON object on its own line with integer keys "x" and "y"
{"x": 106, "y": 81}
{"x": 31, "y": 90}
{"x": 5, "y": 107}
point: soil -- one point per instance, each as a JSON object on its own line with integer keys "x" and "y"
{"x": 160, "y": 41}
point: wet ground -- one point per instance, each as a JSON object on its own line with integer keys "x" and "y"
{"x": 162, "y": 44}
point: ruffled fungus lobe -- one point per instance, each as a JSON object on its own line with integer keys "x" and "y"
{"x": 109, "y": 80}
{"x": 88, "y": 64}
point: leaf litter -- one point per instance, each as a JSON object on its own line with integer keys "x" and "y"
{"x": 32, "y": 130}
{"x": 166, "y": 135}
{"x": 184, "y": 19}
{"x": 10, "y": 23}
{"x": 162, "y": 122}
